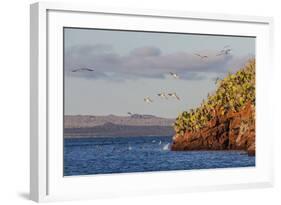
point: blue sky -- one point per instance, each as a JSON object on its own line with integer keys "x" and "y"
{"x": 129, "y": 66}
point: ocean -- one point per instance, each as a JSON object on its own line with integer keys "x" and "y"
{"x": 105, "y": 155}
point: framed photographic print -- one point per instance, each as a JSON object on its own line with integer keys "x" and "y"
{"x": 127, "y": 102}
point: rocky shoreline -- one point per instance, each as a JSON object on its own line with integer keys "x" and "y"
{"x": 234, "y": 131}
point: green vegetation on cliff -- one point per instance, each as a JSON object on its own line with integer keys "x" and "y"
{"x": 232, "y": 94}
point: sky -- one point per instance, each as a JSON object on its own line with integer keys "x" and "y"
{"x": 131, "y": 65}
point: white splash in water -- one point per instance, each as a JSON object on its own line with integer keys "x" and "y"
{"x": 166, "y": 147}
{"x": 160, "y": 142}
{"x": 129, "y": 148}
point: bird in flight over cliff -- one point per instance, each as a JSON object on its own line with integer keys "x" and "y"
{"x": 162, "y": 95}
{"x": 147, "y": 100}
{"x": 176, "y": 76}
{"x": 201, "y": 56}
{"x": 225, "y": 51}
{"x": 82, "y": 69}
{"x": 174, "y": 95}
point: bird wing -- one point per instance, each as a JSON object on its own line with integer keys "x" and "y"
{"x": 81, "y": 69}
{"x": 88, "y": 69}
{"x": 176, "y": 75}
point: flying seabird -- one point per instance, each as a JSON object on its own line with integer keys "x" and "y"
{"x": 147, "y": 100}
{"x": 201, "y": 56}
{"x": 174, "y": 95}
{"x": 176, "y": 76}
{"x": 224, "y": 52}
{"x": 162, "y": 95}
{"x": 82, "y": 69}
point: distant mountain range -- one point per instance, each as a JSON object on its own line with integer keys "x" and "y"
{"x": 112, "y": 125}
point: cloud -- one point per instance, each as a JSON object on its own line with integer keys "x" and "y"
{"x": 146, "y": 62}
{"x": 145, "y": 52}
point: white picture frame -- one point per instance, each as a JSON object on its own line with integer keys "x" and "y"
{"x": 46, "y": 178}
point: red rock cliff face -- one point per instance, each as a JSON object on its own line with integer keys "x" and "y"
{"x": 234, "y": 131}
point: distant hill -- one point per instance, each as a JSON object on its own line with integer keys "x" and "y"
{"x": 82, "y": 121}
{"x": 112, "y": 125}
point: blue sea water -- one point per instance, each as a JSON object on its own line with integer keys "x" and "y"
{"x": 102, "y": 155}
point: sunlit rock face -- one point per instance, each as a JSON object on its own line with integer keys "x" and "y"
{"x": 234, "y": 131}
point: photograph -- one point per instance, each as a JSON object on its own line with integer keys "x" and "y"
{"x": 148, "y": 101}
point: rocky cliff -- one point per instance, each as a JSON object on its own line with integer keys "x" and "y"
{"x": 225, "y": 120}
{"x": 234, "y": 131}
